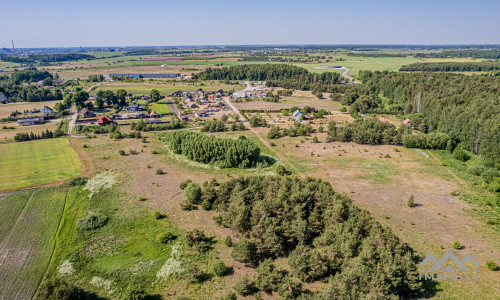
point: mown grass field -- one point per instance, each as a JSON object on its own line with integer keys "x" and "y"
{"x": 29, "y": 222}
{"x": 37, "y": 162}
{"x": 160, "y": 108}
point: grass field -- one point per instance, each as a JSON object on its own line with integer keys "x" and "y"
{"x": 164, "y": 89}
{"x": 37, "y": 162}
{"x": 160, "y": 108}
{"x": 7, "y": 109}
{"x": 29, "y": 223}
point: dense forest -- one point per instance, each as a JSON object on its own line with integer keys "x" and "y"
{"x": 286, "y": 76}
{"x": 221, "y": 152}
{"x": 45, "y": 58}
{"x": 321, "y": 232}
{"x": 487, "y": 54}
{"x": 466, "y": 107}
{"x": 453, "y": 66}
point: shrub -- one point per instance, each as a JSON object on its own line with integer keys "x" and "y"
{"x": 315, "y": 139}
{"x": 185, "y": 183}
{"x": 85, "y": 146}
{"x": 121, "y": 152}
{"x": 136, "y": 294}
{"x": 154, "y": 152}
{"x": 411, "y": 201}
{"x": 228, "y": 241}
{"x": 198, "y": 240}
{"x": 321, "y": 129}
{"x": 159, "y": 171}
{"x": 229, "y": 296}
{"x": 268, "y": 278}
{"x": 281, "y": 170}
{"x": 192, "y": 193}
{"x": 219, "y": 268}
{"x": 78, "y": 181}
{"x": 165, "y": 237}
{"x": 132, "y": 152}
{"x": 243, "y": 287}
{"x": 157, "y": 215}
{"x": 492, "y": 265}
{"x": 461, "y": 155}
{"x": 56, "y": 288}
{"x": 456, "y": 245}
{"x": 144, "y": 140}
{"x": 92, "y": 221}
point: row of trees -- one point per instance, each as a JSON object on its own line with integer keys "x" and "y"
{"x": 45, "y": 58}
{"x": 486, "y": 54}
{"x": 143, "y": 126}
{"x": 323, "y": 234}
{"x": 464, "y": 106}
{"x": 453, "y": 66}
{"x": 47, "y": 134}
{"x": 221, "y": 152}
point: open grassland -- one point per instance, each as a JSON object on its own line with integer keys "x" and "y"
{"x": 164, "y": 89}
{"x": 7, "y": 134}
{"x": 29, "y": 222}
{"x": 38, "y": 162}
{"x": 7, "y": 109}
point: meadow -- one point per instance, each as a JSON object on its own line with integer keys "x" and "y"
{"x": 33, "y": 163}
{"x": 160, "y": 108}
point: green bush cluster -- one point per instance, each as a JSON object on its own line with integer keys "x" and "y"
{"x": 91, "y": 221}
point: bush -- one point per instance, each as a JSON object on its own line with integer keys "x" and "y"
{"x": 154, "y": 152}
{"x": 185, "y": 183}
{"x": 245, "y": 251}
{"x": 461, "y": 155}
{"x": 228, "y": 241}
{"x": 456, "y": 245}
{"x": 159, "y": 171}
{"x": 165, "y": 237}
{"x": 492, "y": 265}
{"x": 219, "y": 268}
{"x": 282, "y": 171}
{"x": 315, "y": 139}
{"x": 192, "y": 193}
{"x": 411, "y": 201}
{"x": 78, "y": 181}
{"x": 229, "y": 296}
{"x": 92, "y": 221}
{"x": 121, "y": 152}
{"x": 136, "y": 295}
{"x": 132, "y": 152}
{"x": 198, "y": 240}
{"x": 56, "y": 288}
{"x": 157, "y": 215}
{"x": 243, "y": 287}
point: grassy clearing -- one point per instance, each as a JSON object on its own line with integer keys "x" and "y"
{"x": 27, "y": 244}
{"x": 164, "y": 89}
{"x": 161, "y": 108}
{"x": 7, "y": 109}
{"x": 37, "y": 162}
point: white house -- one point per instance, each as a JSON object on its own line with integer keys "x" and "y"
{"x": 297, "y": 115}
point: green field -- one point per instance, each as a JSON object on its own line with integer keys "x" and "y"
{"x": 164, "y": 89}
{"x": 37, "y": 162}
{"x": 29, "y": 222}
{"x": 161, "y": 108}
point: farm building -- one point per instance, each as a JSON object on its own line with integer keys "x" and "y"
{"x": 30, "y": 121}
{"x": 135, "y": 107}
{"x": 46, "y": 110}
{"x": 85, "y": 113}
{"x": 297, "y": 116}
{"x": 146, "y": 75}
{"x": 104, "y": 120}
{"x": 193, "y": 105}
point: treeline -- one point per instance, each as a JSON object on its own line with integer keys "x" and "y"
{"x": 379, "y": 55}
{"x": 45, "y": 58}
{"x": 47, "y": 134}
{"x": 321, "y": 232}
{"x": 453, "y": 66}
{"x": 286, "y": 76}
{"x": 460, "y": 105}
{"x": 367, "y": 131}
{"x": 143, "y": 126}
{"x": 221, "y": 152}
{"x": 486, "y": 54}
{"x": 12, "y": 86}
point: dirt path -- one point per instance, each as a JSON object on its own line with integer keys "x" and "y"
{"x": 88, "y": 167}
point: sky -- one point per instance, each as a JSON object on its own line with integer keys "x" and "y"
{"x": 70, "y": 23}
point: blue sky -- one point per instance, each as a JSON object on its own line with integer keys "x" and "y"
{"x": 57, "y": 23}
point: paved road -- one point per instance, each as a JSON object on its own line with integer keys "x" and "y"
{"x": 346, "y": 70}
{"x": 74, "y": 113}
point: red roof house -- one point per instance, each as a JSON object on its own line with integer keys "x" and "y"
{"x": 384, "y": 120}
{"x": 103, "y": 120}
{"x": 406, "y": 122}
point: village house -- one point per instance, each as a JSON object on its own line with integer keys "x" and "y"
{"x": 104, "y": 120}
{"x": 297, "y": 116}
{"x": 178, "y": 94}
{"x": 381, "y": 119}
{"x": 146, "y": 98}
{"x": 201, "y": 114}
{"x": 193, "y": 105}
{"x": 85, "y": 113}
{"x": 183, "y": 117}
{"x": 407, "y": 122}
{"x": 153, "y": 114}
{"x": 46, "y": 110}
{"x": 3, "y": 98}
{"x": 135, "y": 107}
{"x": 30, "y": 121}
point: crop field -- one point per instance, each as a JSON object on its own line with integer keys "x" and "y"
{"x": 164, "y": 89}
{"x": 38, "y": 162}
{"x": 29, "y": 223}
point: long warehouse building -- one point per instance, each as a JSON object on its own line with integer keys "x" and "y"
{"x": 146, "y": 75}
